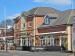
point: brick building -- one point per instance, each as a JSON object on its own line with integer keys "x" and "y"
{"x": 46, "y": 27}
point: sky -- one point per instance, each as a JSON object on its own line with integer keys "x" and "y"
{"x": 12, "y": 8}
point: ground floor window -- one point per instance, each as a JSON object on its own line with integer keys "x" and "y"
{"x": 17, "y": 42}
{"x": 47, "y": 40}
{"x": 44, "y": 40}
{"x": 53, "y": 40}
{"x": 57, "y": 40}
{"x": 25, "y": 41}
{"x": 43, "y": 43}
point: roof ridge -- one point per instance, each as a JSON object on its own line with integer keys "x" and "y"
{"x": 33, "y": 11}
{"x": 69, "y": 10}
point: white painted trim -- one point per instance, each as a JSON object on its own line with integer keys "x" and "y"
{"x": 52, "y": 32}
{"x": 7, "y": 37}
{"x": 2, "y": 37}
{"x": 10, "y": 36}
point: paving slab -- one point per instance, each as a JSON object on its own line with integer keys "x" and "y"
{"x": 27, "y": 53}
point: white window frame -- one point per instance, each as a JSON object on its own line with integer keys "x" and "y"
{"x": 30, "y": 24}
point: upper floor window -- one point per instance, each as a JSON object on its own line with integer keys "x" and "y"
{"x": 16, "y": 26}
{"x": 48, "y": 19}
{"x": 30, "y": 24}
{"x": 0, "y": 31}
{"x": 23, "y": 24}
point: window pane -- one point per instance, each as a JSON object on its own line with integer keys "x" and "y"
{"x": 48, "y": 19}
{"x": 30, "y": 24}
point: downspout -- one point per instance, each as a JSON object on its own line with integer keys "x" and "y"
{"x": 34, "y": 27}
{"x": 69, "y": 31}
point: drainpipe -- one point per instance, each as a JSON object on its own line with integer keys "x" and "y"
{"x": 69, "y": 36}
{"x": 34, "y": 31}
{"x": 5, "y": 29}
{"x": 69, "y": 30}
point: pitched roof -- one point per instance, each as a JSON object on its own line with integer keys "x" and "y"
{"x": 66, "y": 17}
{"x": 41, "y": 11}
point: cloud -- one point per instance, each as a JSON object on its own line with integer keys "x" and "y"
{"x": 65, "y": 2}
{"x": 14, "y": 16}
{"x": 9, "y": 26}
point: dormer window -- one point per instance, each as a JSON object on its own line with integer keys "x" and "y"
{"x": 48, "y": 19}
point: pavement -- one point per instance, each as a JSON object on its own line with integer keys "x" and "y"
{"x": 27, "y": 53}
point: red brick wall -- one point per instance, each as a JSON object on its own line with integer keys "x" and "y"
{"x": 29, "y": 20}
{"x": 29, "y": 29}
{"x": 17, "y": 31}
{"x": 52, "y": 29}
{"x": 39, "y": 21}
{"x": 49, "y": 29}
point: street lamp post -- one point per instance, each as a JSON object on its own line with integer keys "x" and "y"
{"x": 5, "y": 29}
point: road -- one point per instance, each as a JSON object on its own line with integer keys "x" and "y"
{"x": 27, "y": 53}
